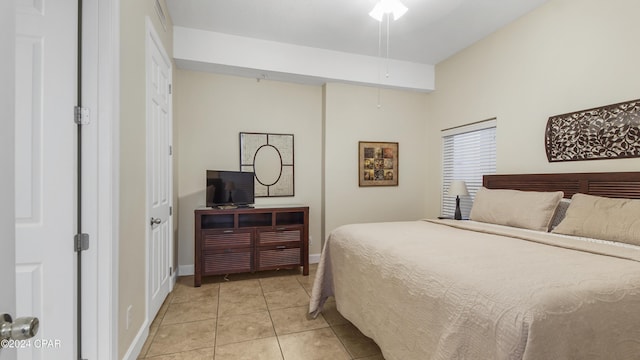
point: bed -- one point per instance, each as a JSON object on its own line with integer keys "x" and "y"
{"x": 496, "y": 287}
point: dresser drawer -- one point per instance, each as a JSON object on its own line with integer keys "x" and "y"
{"x": 227, "y": 239}
{"x": 280, "y": 235}
{"x": 215, "y": 262}
{"x": 272, "y": 257}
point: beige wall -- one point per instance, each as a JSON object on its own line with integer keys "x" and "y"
{"x": 132, "y": 217}
{"x": 212, "y": 109}
{"x": 210, "y": 112}
{"x": 565, "y": 56}
{"x": 351, "y": 115}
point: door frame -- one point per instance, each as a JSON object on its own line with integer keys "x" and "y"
{"x": 100, "y": 172}
{"x": 7, "y": 159}
{"x": 153, "y": 39}
{"x": 101, "y": 94}
{"x": 101, "y": 91}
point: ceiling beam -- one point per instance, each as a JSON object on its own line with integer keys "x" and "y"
{"x": 222, "y": 53}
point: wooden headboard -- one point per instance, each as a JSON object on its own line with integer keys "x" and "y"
{"x": 611, "y": 184}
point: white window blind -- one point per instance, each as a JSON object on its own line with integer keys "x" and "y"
{"x": 468, "y": 153}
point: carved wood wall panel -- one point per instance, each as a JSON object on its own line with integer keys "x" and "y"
{"x": 607, "y": 132}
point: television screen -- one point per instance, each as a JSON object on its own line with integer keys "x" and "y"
{"x": 229, "y": 188}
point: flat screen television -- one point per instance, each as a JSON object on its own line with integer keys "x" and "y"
{"x": 230, "y": 188}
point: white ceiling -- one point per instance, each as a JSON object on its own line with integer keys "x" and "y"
{"x": 431, "y": 31}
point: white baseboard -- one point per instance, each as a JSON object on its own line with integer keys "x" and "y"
{"x": 138, "y": 343}
{"x": 185, "y": 270}
{"x": 314, "y": 258}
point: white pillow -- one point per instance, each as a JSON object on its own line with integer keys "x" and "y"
{"x": 524, "y": 209}
{"x": 602, "y": 218}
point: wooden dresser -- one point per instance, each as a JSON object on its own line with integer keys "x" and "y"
{"x": 250, "y": 239}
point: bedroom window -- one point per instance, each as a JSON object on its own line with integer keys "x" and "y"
{"x": 468, "y": 152}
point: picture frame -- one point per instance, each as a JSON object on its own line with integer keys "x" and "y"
{"x": 377, "y": 163}
{"x": 271, "y": 158}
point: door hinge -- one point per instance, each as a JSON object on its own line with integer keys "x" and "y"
{"x": 81, "y": 115}
{"x": 169, "y": 89}
{"x": 170, "y": 150}
{"x": 170, "y": 270}
{"x": 81, "y": 242}
{"x": 170, "y": 210}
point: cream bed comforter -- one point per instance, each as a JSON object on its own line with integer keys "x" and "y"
{"x": 468, "y": 290}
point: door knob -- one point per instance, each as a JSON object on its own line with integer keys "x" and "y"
{"x": 155, "y": 221}
{"x": 21, "y": 329}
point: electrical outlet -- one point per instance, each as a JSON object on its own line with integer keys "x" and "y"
{"x": 128, "y": 319}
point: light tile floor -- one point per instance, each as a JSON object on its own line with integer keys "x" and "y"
{"x": 261, "y": 316}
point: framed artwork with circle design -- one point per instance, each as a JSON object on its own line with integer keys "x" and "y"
{"x": 377, "y": 163}
{"x": 270, "y": 157}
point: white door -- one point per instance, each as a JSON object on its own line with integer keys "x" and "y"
{"x": 7, "y": 227}
{"x": 45, "y": 94}
{"x": 159, "y": 171}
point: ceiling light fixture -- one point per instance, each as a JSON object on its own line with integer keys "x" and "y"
{"x": 389, "y": 7}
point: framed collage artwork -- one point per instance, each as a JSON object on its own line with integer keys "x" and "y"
{"x": 377, "y": 163}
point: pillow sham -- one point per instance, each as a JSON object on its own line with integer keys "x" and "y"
{"x": 602, "y": 218}
{"x": 524, "y": 209}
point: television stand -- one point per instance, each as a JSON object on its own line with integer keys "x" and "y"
{"x": 250, "y": 239}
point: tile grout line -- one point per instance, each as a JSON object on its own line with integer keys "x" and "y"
{"x": 152, "y": 338}
{"x": 215, "y": 336}
{"x": 341, "y": 342}
{"x": 271, "y": 318}
{"x": 161, "y": 315}
{"x": 331, "y": 326}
